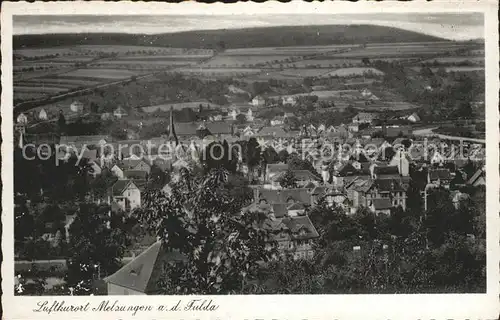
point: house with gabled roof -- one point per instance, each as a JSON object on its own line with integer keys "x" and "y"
{"x": 363, "y": 193}
{"x": 127, "y": 194}
{"x": 294, "y": 235}
{"x": 477, "y": 179}
{"x": 304, "y": 177}
{"x": 258, "y": 101}
{"x": 274, "y": 169}
{"x": 141, "y": 276}
{"x": 440, "y": 177}
{"x": 120, "y": 113}
{"x": 135, "y": 164}
{"x": 413, "y": 117}
{"x": 288, "y": 196}
{"x": 365, "y": 117}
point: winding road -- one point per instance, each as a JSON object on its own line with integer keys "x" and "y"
{"x": 427, "y": 132}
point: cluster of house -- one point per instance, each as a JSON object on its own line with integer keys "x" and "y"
{"x": 75, "y": 109}
{"x": 359, "y": 179}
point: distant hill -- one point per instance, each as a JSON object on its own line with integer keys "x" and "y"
{"x": 234, "y": 38}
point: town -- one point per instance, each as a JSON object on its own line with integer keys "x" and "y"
{"x": 349, "y": 183}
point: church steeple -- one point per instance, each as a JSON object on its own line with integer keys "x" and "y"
{"x": 172, "y": 137}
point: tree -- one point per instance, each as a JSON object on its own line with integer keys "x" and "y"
{"x": 464, "y": 111}
{"x": 102, "y": 182}
{"x": 269, "y": 156}
{"x": 95, "y": 250}
{"x": 61, "y": 122}
{"x": 220, "y": 155}
{"x": 252, "y": 155}
{"x": 288, "y": 180}
{"x": 283, "y": 156}
{"x": 241, "y": 119}
{"x": 221, "y": 248}
{"x": 365, "y": 61}
{"x": 296, "y": 163}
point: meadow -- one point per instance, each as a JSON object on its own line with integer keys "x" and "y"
{"x": 348, "y": 72}
{"x": 178, "y": 106}
{"x": 445, "y": 60}
{"x": 393, "y": 50}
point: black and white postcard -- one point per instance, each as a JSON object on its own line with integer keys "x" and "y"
{"x": 250, "y": 161}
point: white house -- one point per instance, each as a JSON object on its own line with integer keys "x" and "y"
{"x": 278, "y": 121}
{"x": 126, "y": 194}
{"x": 117, "y": 171}
{"x": 249, "y": 116}
{"x": 289, "y": 100}
{"x": 22, "y": 119}
{"x": 437, "y": 158}
{"x": 413, "y": 117}
{"x": 120, "y": 113}
{"x": 42, "y": 115}
{"x": 233, "y": 114}
{"x": 95, "y": 169}
{"x": 402, "y": 161}
{"x": 258, "y": 101}
{"x": 76, "y": 106}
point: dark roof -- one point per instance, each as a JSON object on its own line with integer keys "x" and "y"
{"x": 301, "y": 175}
{"x": 273, "y": 131}
{"x": 386, "y": 170}
{"x": 276, "y": 167}
{"x": 395, "y": 131}
{"x": 381, "y": 204}
{"x": 119, "y": 187}
{"x": 299, "y": 223}
{"x": 129, "y": 164}
{"x": 296, "y": 206}
{"x": 186, "y": 128}
{"x": 441, "y": 174}
{"x": 135, "y": 174}
{"x": 143, "y": 273}
{"x": 283, "y": 196}
{"x": 280, "y": 210}
{"x": 219, "y": 127}
{"x": 475, "y": 176}
{"x": 309, "y": 185}
{"x": 319, "y": 191}
{"x": 390, "y": 185}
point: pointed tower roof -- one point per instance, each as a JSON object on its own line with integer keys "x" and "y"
{"x": 172, "y": 137}
{"x": 143, "y": 273}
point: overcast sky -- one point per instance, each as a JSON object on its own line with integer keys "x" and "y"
{"x": 452, "y": 26}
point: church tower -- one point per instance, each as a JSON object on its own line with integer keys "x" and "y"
{"x": 172, "y": 137}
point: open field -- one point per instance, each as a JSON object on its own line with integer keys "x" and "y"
{"x": 123, "y": 49}
{"x": 245, "y": 60}
{"x": 84, "y": 52}
{"x": 40, "y": 52}
{"x": 303, "y": 72}
{"x": 191, "y": 57}
{"x": 100, "y": 73}
{"x": 464, "y": 69}
{"x": 225, "y": 72}
{"x": 178, "y": 106}
{"x": 454, "y": 69}
{"x": 385, "y": 51}
{"x": 287, "y": 51}
{"x": 478, "y": 60}
{"x": 138, "y": 64}
{"x": 346, "y": 72}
